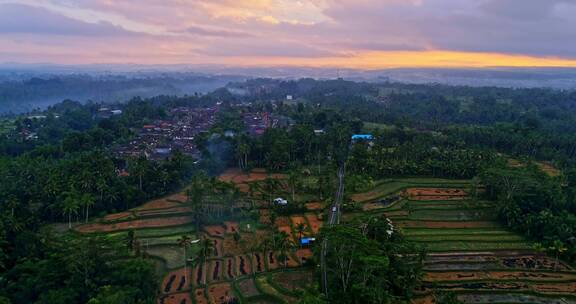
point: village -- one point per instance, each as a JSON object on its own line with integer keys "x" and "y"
{"x": 180, "y": 131}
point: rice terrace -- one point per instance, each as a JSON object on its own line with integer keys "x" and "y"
{"x": 258, "y": 257}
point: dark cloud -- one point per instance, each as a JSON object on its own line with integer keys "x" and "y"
{"x": 528, "y": 27}
{"x": 24, "y": 19}
{"x": 521, "y": 9}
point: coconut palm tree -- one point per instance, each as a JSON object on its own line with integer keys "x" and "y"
{"x": 284, "y": 245}
{"x": 70, "y": 207}
{"x": 207, "y": 247}
{"x": 195, "y": 199}
{"x": 265, "y": 245}
{"x": 292, "y": 180}
{"x": 558, "y": 248}
{"x": 300, "y": 228}
{"x": 183, "y": 242}
{"x": 87, "y": 201}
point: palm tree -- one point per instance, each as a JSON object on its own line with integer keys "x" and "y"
{"x": 265, "y": 245}
{"x": 70, "y": 207}
{"x": 12, "y": 203}
{"x": 195, "y": 198}
{"x": 558, "y": 248}
{"x": 87, "y": 201}
{"x": 130, "y": 239}
{"x": 207, "y": 246}
{"x": 300, "y": 228}
{"x": 139, "y": 167}
{"x": 269, "y": 188}
{"x": 283, "y": 244}
{"x": 538, "y": 247}
{"x": 184, "y": 241}
{"x": 292, "y": 180}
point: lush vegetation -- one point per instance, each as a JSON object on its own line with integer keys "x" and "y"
{"x": 68, "y": 174}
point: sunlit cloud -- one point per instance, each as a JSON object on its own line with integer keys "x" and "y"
{"x": 344, "y": 33}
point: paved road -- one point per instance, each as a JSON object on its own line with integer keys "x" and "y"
{"x": 334, "y": 219}
{"x": 335, "y": 209}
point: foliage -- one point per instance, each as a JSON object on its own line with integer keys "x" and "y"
{"x": 365, "y": 263}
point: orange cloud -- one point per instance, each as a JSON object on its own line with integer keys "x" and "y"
{"x": 399, "y": 59}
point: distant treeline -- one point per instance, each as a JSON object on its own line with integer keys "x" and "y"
{"x": 41, "y": 92}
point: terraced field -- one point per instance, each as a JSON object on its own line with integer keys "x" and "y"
{"x": 470, "y": 254}
{"x": 233, "y": 270}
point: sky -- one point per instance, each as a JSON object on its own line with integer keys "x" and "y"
{"x": 365, "y": 34}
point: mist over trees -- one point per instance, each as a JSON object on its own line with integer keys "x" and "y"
{"x": 24, "y": 95}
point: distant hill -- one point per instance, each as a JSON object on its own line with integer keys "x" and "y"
{"x": 21, "y": 93}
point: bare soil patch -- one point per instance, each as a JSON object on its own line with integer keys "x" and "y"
{"x": 435, "y": 192}
{"x": 297, "y": 220}
{"x": 569, "y": 288}
{"x": 272, "y": 260}
{"x": 372, "y": 206}
{"x": 498, "y": 275}
{"x": 304, "y": 254}
{"x": 215, "y": 230}
{"x": 229, "y": 268}
{"x": 258, "y": 262}
{"x": 229, "y": 175}
{"x": 265, "y": 216}
{"x": 220, "y": 293}
{"x": 315, "y": 223}
{"x": 135, "y": 224}
{"x": 159, "y": 204}
{"x": 243, "y": 266}
{"x": 176, "y": 298}
{"x": 313, "y": 206}
{"x": 232, "y": 227}
{"x": 231, "y": 247}
{"x": 199, "y": 296}
{"x": 160, "y": 212}
{"x": 237, "y": 176}
{"x": 215, "y": 271}
{"x": 117, "y": 216}
{"x": 286, "y": 229}
{"x": 282, "y": 221}
{"x": 364, "y": 196}
{"x": 180, "y": 197}
{"x": 176, "y": 281}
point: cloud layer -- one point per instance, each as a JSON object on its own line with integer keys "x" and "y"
{"x": 367, "y": 33}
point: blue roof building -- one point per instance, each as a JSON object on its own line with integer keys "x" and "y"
{"x": 362, "y": 137}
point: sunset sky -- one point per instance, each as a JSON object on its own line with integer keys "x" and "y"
{"x": 366, "y": 34}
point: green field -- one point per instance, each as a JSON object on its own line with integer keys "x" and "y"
{"x": 476, "y": 249}
{"x": 463, "y": 231}
{"x": 387, "y": 187}
{"x": 6, "y": 126}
